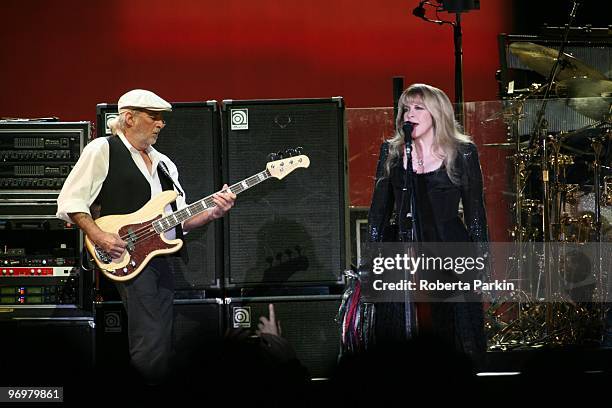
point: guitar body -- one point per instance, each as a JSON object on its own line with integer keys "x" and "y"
{"x": 148, "y": 243}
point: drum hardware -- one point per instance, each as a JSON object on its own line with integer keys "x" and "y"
{"x": 575, "y": 229}
{"x": 587, "y": 220}
{"x": 562, "y": 160}
{"x": 576, "y": 323}
{"x": 569, "y": 192}
{"x": 532, "y": 206}
{"x": 526, "y": 234}
{"x": 607, "y": 194}
{"x": 516, "y": 106}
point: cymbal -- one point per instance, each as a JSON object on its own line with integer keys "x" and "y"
{"x": 541, "y": 59}
{"x": 586, "y": 132}
{"x": 506, "y": 145}
{"x": 597, "y": 108}
{"x": 584, "y": 87}
{"x": 588, "y": 96}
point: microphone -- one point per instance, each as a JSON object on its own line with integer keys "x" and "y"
{"x": 407, "y": 128}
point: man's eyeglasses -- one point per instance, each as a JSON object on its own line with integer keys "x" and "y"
{"x": 155, "y": 116}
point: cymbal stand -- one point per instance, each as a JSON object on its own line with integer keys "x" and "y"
{"x": 545, "y": 226}
{"x": 519, "y": 185}
{"x": 557, "y": 202}
{"x": 556, "y": 190}
{"x": 597, "y": 146}
{"x": 541, "y": 129}
{"x": 552, "y": 76}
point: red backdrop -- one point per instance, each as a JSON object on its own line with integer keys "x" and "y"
{"x": 61, "y": 58}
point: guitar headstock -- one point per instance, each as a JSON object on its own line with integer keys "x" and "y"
{"x": 283, "y": 166}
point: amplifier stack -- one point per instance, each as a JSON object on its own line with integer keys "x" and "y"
{"x": 40, "y": 256}
{"x": 285, "y": 242}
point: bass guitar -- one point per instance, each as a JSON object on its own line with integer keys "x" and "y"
{"x": 144, "y": 229}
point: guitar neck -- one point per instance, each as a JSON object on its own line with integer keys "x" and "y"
{"x": 170, "y": 221}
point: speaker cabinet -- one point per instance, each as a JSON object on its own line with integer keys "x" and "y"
{"x": 47, "y": 351}
{"x": 307, "y": 323}
{"x": 288, "y": 232}
{"x": 191, "y": 140}
{"x": 112, "y": 352}
{"x": 198, "y": 323}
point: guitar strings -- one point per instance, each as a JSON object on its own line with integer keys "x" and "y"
{"x": 144, "y": 233}
{"x": 147, "y": 228}
{"x": 236, "y": 188}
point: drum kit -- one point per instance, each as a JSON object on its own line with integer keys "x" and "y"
{"x": 563, "y": 197}
{"x": 574, "y": 164}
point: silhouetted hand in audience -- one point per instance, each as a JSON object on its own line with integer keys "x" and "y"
{"x": 269, "y": 325}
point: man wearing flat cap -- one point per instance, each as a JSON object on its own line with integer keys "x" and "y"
{"x": 118, "y": 175}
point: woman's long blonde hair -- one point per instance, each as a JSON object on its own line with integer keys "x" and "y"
{"x": 447, "y": 137}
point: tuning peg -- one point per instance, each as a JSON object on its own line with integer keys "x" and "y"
{"x": 280, "y": 155}
{"x": 272, "y": 157}
{"x": 290, "y": 152}
{"x": 298, "y": 150}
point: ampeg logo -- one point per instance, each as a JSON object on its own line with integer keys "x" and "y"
{"x": 241, "y": 317}
{"x": 107, "y": 118}
{"x": 112, "y": 322}
{"x": 240, "y": 119}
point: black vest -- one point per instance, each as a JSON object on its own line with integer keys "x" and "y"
{"x": 125, "y": 189}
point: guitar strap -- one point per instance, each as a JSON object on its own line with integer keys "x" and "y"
{"x": 163, "y": 171}
{"x": 163, "y": 168}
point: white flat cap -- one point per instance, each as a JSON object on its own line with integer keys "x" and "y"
{"x": 141, "y": 98}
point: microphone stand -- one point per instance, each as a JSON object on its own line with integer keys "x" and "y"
{"x": 458, "y": 42}
{"x": 414, "y": 238}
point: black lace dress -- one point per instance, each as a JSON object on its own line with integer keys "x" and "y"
{"x": 437, "y": 202}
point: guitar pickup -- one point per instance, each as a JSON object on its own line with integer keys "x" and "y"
{"x": 131, "y": 240}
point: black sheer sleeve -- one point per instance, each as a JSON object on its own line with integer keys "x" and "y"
{"x": 381, "y": 207}
{"x": 472, "y": 197}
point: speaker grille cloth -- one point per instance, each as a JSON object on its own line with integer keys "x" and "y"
{"x": 309, "y": 327}
{"x": 288, "y": 230}
{"x": 188, "y": 140}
